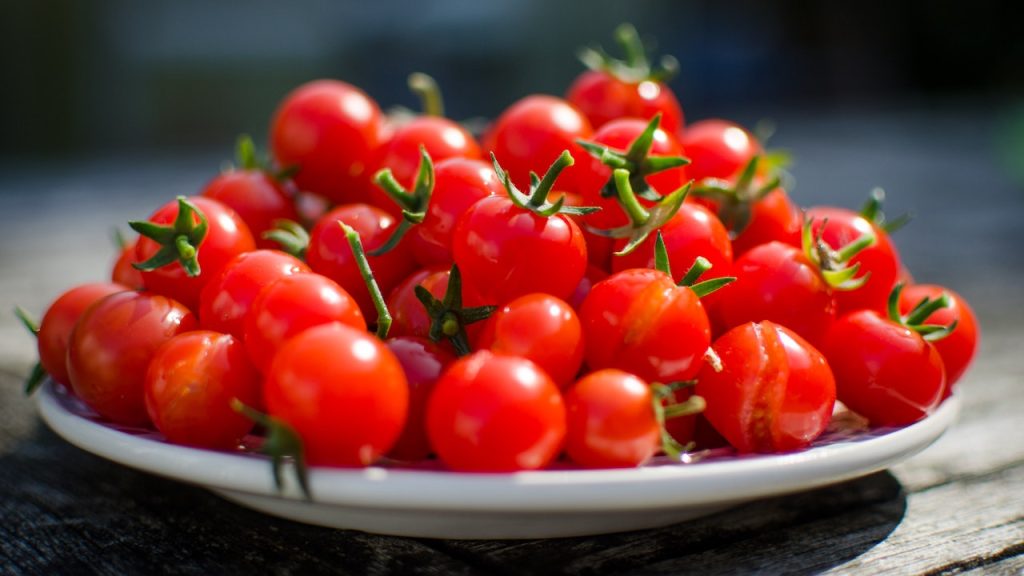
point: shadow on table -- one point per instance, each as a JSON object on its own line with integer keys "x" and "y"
{"x": 67, "y": 511}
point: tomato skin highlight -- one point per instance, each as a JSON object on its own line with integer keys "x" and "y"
{"x": 423, "y": 362}
{"x": 190, "y": 384}
{"x": 492, "y": 413}
{"x": 257, "y": 198}
{"x": 611, "y": 421}
{"x": 603, "y": 98}
{"x": 111, "y": 346}
{"x": 884, "y": 371}
{"x": 959, "y": 347}
{"x": 342, "y": 391}
{"x": 775, "y": 392}
{"x": 717, "y": 149}
{"x": 60, "y": 319}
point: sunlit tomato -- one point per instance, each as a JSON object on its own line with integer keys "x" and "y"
{"x": 492, "y": 413}
{"x": 408, "y": 315}
{"x": 541, "y": 328}
{"x": 717, "y": 149}
{"x": 639, "y": 321}
{"x": 226, "y": 300}
{"x": 190, "y": 384}
{"x": 458, "y": 184}
{"x": 60, "y": 318}
{"x": 611, "y": 421}
{"x": 330, "y": 131}
{"x": 505, "y": 251}
{"x": 775, "y": 392}
{"x": 293, "y": 303}
{"x": 226, "y": 238}
{"x": 111, "y": 346}
{"x": 531, "y": 133}
{"x": 423, "y": 362}
{"x": 257, "y": 198}
{"x": 604, "y": 98}
{"x": 773, "y": 217}
{"x": 959, "y": 347}
{"x": 592, "y": 276}
{"x": 879, "y": 262}
{"x": 884, "y": 371}
{"x": 692, "y": 232}
{"x": 330, "y": 254}
{"x": 342, "y": 391}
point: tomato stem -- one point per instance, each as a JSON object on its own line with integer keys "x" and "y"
{"x": 35, "y": 379}
{"x": 27, "y": 320}
{"x": 281, "y": 442}
{"x": 628, "y": 200}
{"x": 413, "y": 204}
{"x": 536, "y": 200}
{"x": 245, "y": 154}
{"x": 291, "y": 236}
{"x": 539, "y": 194}
{"x": 636, "y": 66}
{"x": 178, "y": 242}
{"x": 872, "y": 211}
{"x": 383, "y": 315}
{"x": 700, "y": 266}
{"x": 448, "y": 319}
{"x": 429, "y": 93}
{"x": 914, "y": 319}
{"x": 661, "y": 260}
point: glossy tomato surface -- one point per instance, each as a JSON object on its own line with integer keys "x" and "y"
{"x": 717, "y": 148}
{"x": 960, "y": 346}
{"x": 257, "y": 198}
{"x": 611, "y": 421}
{"x": 423, "y": 362}
{"x": 59, "y": 320}
{"x": 604, "y": 98}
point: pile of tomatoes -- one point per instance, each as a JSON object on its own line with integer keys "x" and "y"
{"x": 592, "y": 280}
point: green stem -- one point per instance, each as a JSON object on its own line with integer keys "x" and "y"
{"x": 693, "y": 405}
{"x": 540, "y": 193}
{"x": 627, "y": 37}
{"x": 847, "y": 252}
{"x": 429, "y": 93}
{"x": 27, "y": 320}
{"x": 245, "y": 153}
{"x": 700, "y": 266}
{"x": 925, "y": 308}
{"x": 628, "y": 200}
{"x": 383, "y": 315}
{"x": 386, "y": 181}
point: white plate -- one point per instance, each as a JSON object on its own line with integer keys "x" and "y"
{"x": 550, "y": 503}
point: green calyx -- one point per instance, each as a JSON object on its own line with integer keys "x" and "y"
{"x": 697, "y": 269}
{"x": 637, "y": 160}
{"x": 834, "y": 265}
{"x": 36, "y": 376}
{"x": 178, "y": 242}
{"x": 448, "y": 318}
{"x": 290, "y": 236}
{"x": 537, "y": 199}
{"x": 915, "y": 318}
{"x": 643, "y": 221}
{"x": 667, "y": 407}
{"x": 247, "y": 158}
{"x": 635, "y": 67}
{"x": 281, "y": 443}
{"x": 872, "y": 211}
{"x": 735, "y": 200}
{"x": 383, "y": 314}
{"x": 413, "y": 204}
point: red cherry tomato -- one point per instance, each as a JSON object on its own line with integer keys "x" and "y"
{"x": 257, "y": 197}
{"x": 291, "y": 304}
{"x": 408, "y": 315}
{"x": 330, "y": 254}
{"x": 458, "y": 184}
{"x": 884, "y": 371}
{"x": 692, "y": 232}
{"x": 491, "y": 413}
{"x": 226, "y": 300}
{"x": 423, "y": 362}
{"x": 505, "y": 251}
{"x": 717, "y": 149}
{"x": 342, "y": 391}
{"x": 330, "y": 131}
{"x": 189, "y": 387}
{"x": 773, "y": 217}
{"x": 604, "y": 98}
{"x": 531, "y": 133}
{"x": 639, "y": 321}
{"x": 226, "y": 238}
{"x": 111, "y": 346}
{"x": 60, "y": 319}
{"x": 541, "y": 328}
{"x": 959, "y": 347}
{"x": 590, "y": 278}
{"x": 611, "y": 421}
{"x": 775, "y": 392}
{"x": 123, "y": 272}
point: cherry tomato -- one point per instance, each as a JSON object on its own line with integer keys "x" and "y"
{"x": 611, "y": 421}
{"x": 111, "y": 346}
{"x": 717, "y": 149}
{"x": 330, "y": 254}
{"x": 60, "y": 318}
{"x": 603, "y": 98}
{"x": 884, "y": 371}
{"x": 639, "y": 321}
{"x": 408, "y": 315}
{"x": 123, "y": 272}
{"x": 531, "y": 133}
{"x": 591, "y": 277}
{"x": 330, "y": 131}
{"x": 257, "y": 197}
{"x": 959, "y": 347}
{"x": 291, "y": 304}
{"x": 342, "y": 391}
{"x": 773, "y": 217}
{"x": 190, "y": 384}
{"x": 693, "y": 231}
{"x": 541, "y": 328}
{"x": 226, "y": 238}
{"x": 226, "y": 300}
{"x": 423, "y": 362}
{"x": 775, "y": 392}
{"x": 492, "y": 413}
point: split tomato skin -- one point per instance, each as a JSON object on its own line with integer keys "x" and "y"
{"x": 603, "y": 98}
{"x": 960, "y": 346}
{"x": 884, "y": 371}
{"x": 330, "y": 130}
{"x": 60, "y": 319}
{"x": 493, "y": 413}
{"x": 423, "y": 362}
{"x": 190, "y": 384}
{"x": 611, "y": 421}
{"x": 342, "y": 391}
{"x": 717, "y": 148}
{"x": 258, "y": 199}
{"x": 775, "y": 392}
{"x": 111, "y": 347}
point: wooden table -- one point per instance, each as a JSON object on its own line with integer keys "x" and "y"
{"x": 957, "y": 507}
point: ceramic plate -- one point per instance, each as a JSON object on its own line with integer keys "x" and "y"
{"x": 563, "y": 502}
